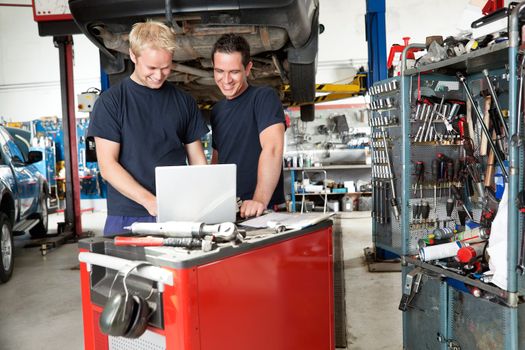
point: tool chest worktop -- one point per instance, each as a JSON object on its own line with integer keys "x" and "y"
{"x": 272, "y": 291}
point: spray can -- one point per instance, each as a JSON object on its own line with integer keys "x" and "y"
{"x": 443, "y": 233}
{"x": 440, "y": 251}
{"x": 476, "y": 235}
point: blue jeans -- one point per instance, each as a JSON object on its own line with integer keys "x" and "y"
{"x": 115, "y": 224}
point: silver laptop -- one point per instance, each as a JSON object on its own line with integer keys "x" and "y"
{"x": 200, "y": 193}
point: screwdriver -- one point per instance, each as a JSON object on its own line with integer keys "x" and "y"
{"x": 435, "y": 178}
{"x": 425, "y": 210}
{"x": 416, "y": 211}
{"x": 420, "y": 169}
{"x": 450, "y": 175}
{"x": 457, "y": 196}
{"x": 450, "y": 180}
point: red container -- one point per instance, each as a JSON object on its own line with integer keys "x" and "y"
{"x": 274, "y": 292}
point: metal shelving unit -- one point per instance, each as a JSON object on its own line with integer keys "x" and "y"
{"x": 446, "y": 308}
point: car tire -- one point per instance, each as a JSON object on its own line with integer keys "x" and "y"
{"x": 307, "y": 113}
{"x": 6, "y": 249}
{"x": 302, "y": 81}
{"x": 40, "y": 229}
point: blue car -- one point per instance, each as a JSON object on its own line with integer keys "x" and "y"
{"x": 23, "y": 195}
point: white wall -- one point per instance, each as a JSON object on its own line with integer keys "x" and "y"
{"x": 29, "y": 76}
{"x": 344, "y": 37}
{"x": 29, "y": 67}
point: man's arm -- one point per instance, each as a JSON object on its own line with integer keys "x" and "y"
{"x": 195, "y": 153}
{"x": 111, "y": 170}
{"x": 268, "y": 172}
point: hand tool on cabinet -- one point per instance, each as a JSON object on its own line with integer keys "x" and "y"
{"x": 157, "y": 242}
{"x": 390, "y": 168}
{"x": 496, "y": 101}
{"x": 463, "y": 81}
{"x": 226, "y": 231}
{"x": 411, "y": 287}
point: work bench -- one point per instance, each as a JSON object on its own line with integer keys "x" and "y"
{"x": 272, "y": 291}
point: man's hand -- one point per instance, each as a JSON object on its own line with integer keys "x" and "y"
{"x": 151, "y": 205}
{"x": 251, "y": 208}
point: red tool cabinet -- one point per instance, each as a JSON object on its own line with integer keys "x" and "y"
{"x": 273, "y": 291}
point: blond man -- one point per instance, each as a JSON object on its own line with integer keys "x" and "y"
{"x": 143, "y": 122}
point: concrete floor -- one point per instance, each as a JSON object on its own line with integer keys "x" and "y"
{"x": 40, "y": 307}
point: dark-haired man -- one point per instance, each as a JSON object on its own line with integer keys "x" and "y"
{"x": 248, "y": 128}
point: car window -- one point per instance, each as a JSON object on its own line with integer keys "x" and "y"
{"x": 9, "y": 147}
{"x": 22, "y": 140}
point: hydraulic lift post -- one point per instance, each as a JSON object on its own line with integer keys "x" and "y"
{"x": 72, "y": 213}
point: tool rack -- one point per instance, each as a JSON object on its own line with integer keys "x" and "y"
{"x": 444, "y": 308}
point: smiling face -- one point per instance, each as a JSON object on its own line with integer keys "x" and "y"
{"x": 152, "y": 67}
{"x": 231, "y": 76}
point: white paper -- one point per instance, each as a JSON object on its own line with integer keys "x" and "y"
{"x": 289, "y": 220}
{"x": 497, "y": 248}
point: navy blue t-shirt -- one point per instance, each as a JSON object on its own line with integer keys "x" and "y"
{"x": 236, "y": 125}
{"x": 152, "y": 127}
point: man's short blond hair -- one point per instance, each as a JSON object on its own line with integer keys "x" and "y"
{"x": 151, "y": 34}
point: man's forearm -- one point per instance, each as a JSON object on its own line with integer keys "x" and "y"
{"x": 268, "y": 173}
{"x": 123, "y": 182}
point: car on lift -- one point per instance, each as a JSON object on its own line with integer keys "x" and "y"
{"x": 23, "y": 195}
{"x": 283, "y": 36}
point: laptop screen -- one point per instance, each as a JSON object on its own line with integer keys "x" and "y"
{"x": 199, "y": 193}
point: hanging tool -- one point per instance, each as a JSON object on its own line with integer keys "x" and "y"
{"x": 516, "y": 138}
{"x": 496, "y": 102}
{"x": 459, "y": 200}
{"x": 450, "y": 183}
{"x": 520, "y": 204}
{"x": 435, "y": 179}
{"x": 463, "y": 81}
{"x": 489, "y": 172}
{"x": 420, "y": 174}
{"x": 425, "y": 211}
{"x": 390, "y": 168}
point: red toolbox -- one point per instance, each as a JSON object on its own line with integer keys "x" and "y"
{"x": 273, "y": 291}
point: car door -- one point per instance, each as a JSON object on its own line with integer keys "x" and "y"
{"x": 27, "y": 183}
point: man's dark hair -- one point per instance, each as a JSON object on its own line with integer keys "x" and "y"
{"x": 230, "y": 43}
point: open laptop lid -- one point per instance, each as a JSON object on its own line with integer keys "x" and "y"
{"x": 199, "y": 193}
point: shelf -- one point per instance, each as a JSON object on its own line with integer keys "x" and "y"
{"x": 503, "y": 294}
{"x": 332, "y": 193}
{"x": 492, "y": 56}
{"x": 333, "y": 167}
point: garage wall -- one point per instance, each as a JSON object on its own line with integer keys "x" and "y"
{"x": 29, "y": 77}
{"x": 29, "y": 67}
{"x": 343, "y": 42}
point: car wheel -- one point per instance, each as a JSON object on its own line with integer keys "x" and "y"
{"x": 307, "y": 113}
{"x": 40, "y": 229}
{"x": 6, "y": 249}
{"x": 302, "y": 81}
